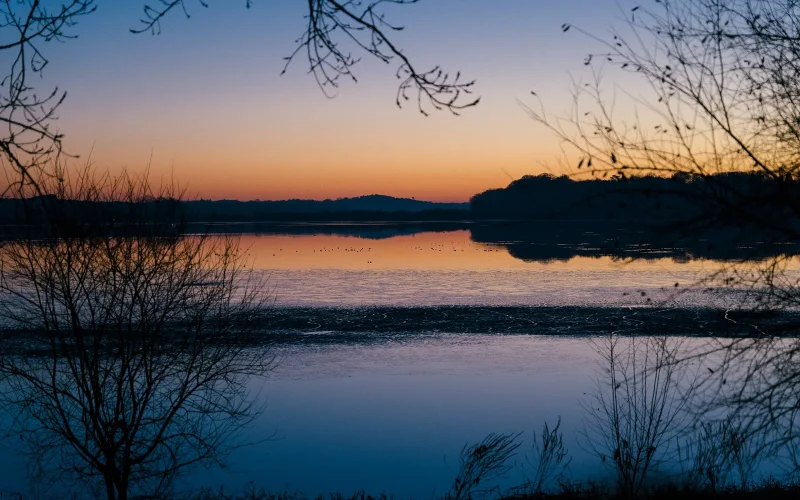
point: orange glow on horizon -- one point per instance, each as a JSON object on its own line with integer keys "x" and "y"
{"x": 453, "y": 181}
{"x": 441, "y": 158}
{"x": 433, "y": 188}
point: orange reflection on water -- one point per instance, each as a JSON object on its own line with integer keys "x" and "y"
{"x": 451, "y": 250}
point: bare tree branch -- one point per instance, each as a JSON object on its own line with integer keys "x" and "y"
{"x": 363, "y": 25}
{"x": 28, "y": 140}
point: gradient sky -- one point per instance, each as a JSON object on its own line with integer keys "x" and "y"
{"x": 205, "y": 101}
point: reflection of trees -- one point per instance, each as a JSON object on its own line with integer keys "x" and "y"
{"x": 719, "y": 452}
{"x": 128, "y": 361}
{"x": 545, "y": 241}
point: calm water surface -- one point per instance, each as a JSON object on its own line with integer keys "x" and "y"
{"x": 448, "y": 268}
{"x": 392, "y": 417}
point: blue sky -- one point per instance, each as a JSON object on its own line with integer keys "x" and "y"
{"x": 204, "y": 101}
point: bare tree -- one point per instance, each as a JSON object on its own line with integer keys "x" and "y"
{"x": 638, "y": 407}
{"x": 717, "y": 94}
{"x": 129, "y": 344}
{"x": 752, "y": 382}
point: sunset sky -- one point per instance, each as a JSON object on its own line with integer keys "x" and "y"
{"x": 205, "y": 100}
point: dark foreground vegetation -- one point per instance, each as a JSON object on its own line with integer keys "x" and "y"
{"x": 566, "y": 492}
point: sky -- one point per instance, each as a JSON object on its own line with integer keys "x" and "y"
{"x": 203, "y": 102}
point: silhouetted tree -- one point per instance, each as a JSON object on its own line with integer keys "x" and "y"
{"x": 720, "y": 100}
{"x": 128, "y": 348}
{"x": 638, "y": 408}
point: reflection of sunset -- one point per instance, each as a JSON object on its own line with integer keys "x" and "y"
{"x": 430, "y": 250}
{"x": 447, "y": 268}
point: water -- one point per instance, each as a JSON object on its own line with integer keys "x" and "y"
{"x": 447, "y": 268}
{"x": 392, "y": 417}
{"x": 386, "y": 405}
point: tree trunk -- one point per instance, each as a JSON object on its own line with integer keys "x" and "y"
{"x": 122, "y": 489}
{"x": 111, "y": 492}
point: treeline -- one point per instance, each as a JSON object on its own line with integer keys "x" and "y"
{"x": 736, "y": 197}
{"x": 679, "y": 197}
{"x": 50, "y": 213}
{"x": 364, "y": 209}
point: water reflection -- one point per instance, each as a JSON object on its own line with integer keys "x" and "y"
{"x": 706, "y": 414}
{"x": 545, "y": 241}
{"x": 449, "y": 268}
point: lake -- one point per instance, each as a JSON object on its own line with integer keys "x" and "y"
{"x": 399, "y": 349}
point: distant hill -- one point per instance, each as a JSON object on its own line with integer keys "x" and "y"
{"x": 369, "y": 203}
{"x": 371, "y": 207}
